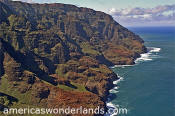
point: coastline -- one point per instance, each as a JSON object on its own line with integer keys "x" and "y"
{"x": 114, "y": 80}
{"x": 58, "y": 55}
{"x": 143, "y": 57}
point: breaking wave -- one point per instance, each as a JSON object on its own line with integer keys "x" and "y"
{"x": 149, "y": 55}
{"x": 152, "y": 53}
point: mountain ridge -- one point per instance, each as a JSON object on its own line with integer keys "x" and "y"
{"x": 51, "y": 52}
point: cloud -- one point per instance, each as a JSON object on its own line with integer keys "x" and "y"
{"x": 28, "y": 1}
{"x": 158, "y": 15}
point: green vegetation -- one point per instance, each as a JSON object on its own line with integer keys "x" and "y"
{"x": 8, "y": 88}
{"x": 51, "y": 46}
{"x": 89, "y": 49}
{"x": 78, "y": 87}
{"x": 62, "y": 69}
{"x": 4, "y": 100}
{"x": 102, "y": 69}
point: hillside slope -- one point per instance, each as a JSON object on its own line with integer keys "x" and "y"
{"x": 58, "y": 55}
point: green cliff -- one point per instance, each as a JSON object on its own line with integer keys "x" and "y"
{"x": 52, "y": 49}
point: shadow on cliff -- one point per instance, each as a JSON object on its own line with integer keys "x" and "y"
{"x": 103, "y": 60}
{"x": 10, "y": 98}
{"x": 28, "y": 62}
{"x": 1, "y": 58}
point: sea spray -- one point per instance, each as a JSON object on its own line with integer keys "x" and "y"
{"x": 144, "y": 57}
{"x": 149, "y": 55}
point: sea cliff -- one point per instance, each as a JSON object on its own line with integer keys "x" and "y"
{"x": 58, "y": 55}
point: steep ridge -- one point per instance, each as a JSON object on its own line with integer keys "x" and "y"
{"x": 51, "y": 52}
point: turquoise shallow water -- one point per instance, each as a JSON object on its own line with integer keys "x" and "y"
{"x": 148, "y": 88}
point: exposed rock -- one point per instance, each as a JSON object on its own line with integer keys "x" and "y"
{"x": 43, "y": 46}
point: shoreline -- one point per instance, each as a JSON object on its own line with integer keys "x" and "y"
{"x": 143, "y": 57}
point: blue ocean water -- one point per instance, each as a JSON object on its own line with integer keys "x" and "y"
{"x": 148, "y": 88}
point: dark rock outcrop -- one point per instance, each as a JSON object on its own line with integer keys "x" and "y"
{"x": 56, "y": 51}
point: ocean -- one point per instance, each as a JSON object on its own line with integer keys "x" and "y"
{"x": 148, "y": 87}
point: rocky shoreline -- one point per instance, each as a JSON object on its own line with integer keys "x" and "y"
{"x": 59, "y": 55}
{"x": 111, "y": 85}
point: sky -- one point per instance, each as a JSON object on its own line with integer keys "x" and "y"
{"x": 129, "y": 12}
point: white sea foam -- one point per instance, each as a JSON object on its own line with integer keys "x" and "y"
{"x": 144, "y": 57}
{"x": 111, "y": 106}
{"x": 149, "y": 55}
{"x": 115, "y": 88}
{"x": 117, "y": 81}
{"x": 113, "y": 91}
{"x": 122, "y": 66}
{"x": 155, "y": 49}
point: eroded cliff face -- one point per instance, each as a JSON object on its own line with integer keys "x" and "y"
{"x": 61, "y": 53}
